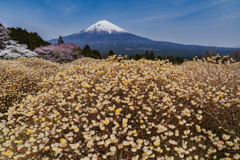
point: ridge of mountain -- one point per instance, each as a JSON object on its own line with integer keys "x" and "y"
{"x": 104, "y": 36}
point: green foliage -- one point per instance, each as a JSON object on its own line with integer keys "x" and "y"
{"x": 147, "y": 54}
{"x": 179, "y": 60}
{"x": 1, "y": 24}
{"x": 31, "y": 39}
{"x": 60, "y": 40}
{"x": 97, "y": 53}
{"x": 111, "y": 53}
{"x": 87, "y": 52}
{"x": 151, "y": 56}
{"x": 159, "y": 57}
{"x": 130, "y": 57}
{"x": 138, "y": 56}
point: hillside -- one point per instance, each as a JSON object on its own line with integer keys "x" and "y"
{"x": 104, "y": 36}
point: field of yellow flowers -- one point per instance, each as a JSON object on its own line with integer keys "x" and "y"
{"x": 119, "y": 109}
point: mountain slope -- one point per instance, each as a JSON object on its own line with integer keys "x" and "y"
{"x": 104, "y": 36}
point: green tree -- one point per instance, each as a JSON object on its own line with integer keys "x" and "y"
{"x": 151, "y": 56}
{"x": 1, "y": 24}
{"x": 159, "y": 57}
{"x": 87, "y": 52}
{"x": 146, "y": 54}
{"x": 130, "y": 57}
{"x": 96, "y": 54}
{"x": 111, "y": 53}
{"x": 138, "y": 56}
{"x": 31, "y": 39}
{"x": 171, "y": 59}
{"x": 179, "y": 60}
{"x": 133, "y": 56}
{"x": 60, "y": 40}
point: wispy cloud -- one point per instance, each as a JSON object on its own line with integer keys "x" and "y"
{"x": 167, "y": 16}
{"x": 219, "y": 2}
{"x": 180, "y": 21}
{"x": 234, "y": 15}
{"x": 68, "y": 10}
{"x": 62, "y": 5}
{"x": 181, "y": 10}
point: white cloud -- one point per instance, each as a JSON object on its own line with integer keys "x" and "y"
{"x": 62, "y": 5}
{"x": 167, "y": 16}
{"x": 233, "y": 15}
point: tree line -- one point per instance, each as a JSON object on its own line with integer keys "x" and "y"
{"x": 87, "y": 52}
{"x": 151, "y": 56}
{"x": 31, "y": 39}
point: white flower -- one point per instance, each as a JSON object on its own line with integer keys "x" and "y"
{"x": 133, "y": 149}
{"x": 148, "y": 152}
{"x": 236, "y": 156}
{"x": 225, "y": 137}
{"x": 14, "y": 50}
{"x": 172, "y": 142}
{"x": 124, "y": 122}
{"x": 113, "y": 149}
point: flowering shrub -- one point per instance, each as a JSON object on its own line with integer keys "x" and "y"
{"x": 13, "y": 50}
{"x": 10, "y": 49}
{"x": 4, "y": 37}
{"x": 128, "y": 110}
{"x": 20, "y": 77}
{"x": 59, "y": 53}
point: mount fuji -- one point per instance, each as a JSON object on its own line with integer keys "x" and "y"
{"x": 104, "y": 36}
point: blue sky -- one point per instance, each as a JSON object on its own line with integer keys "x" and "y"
{"x": 200, "y": 22}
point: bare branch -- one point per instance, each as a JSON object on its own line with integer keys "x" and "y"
{"x": 236, "y": 53}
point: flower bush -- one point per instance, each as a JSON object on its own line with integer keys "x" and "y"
{"x": 10, "y": 49}
{"x": 118, "y": 109}
{"x": 19, "y": 78}
{"x": 60, "y": 53}
{"x": 13, "y": 50}
{"x": 4, "y": 37}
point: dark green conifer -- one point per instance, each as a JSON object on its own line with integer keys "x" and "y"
{"x": 60, "y": 40}
{"x": 111, "y": 53}
{"x": 87, "y": 52}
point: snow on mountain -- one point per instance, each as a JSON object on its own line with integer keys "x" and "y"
{"x": 104, "y": 36}
{"x": 104, "y": 26}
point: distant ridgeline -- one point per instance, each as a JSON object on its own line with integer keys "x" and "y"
{"x": 175, "y": 53}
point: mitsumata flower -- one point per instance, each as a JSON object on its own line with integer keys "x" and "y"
{"x": 121, "y": 109}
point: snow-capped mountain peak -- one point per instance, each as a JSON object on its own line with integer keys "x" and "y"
{"x": 104, "y": 26}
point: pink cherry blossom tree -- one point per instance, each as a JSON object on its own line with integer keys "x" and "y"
{"x": 4, "y": 37}
{"x": 59, "y": 53}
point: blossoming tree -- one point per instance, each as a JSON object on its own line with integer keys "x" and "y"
{"x": 10, "y": 49}
{"x": 60, "y": 53}
{"x": 4, "y": 37}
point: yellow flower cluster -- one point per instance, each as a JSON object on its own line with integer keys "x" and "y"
{"x": 128, "y": 110}
{"x": 20, "y": 77}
